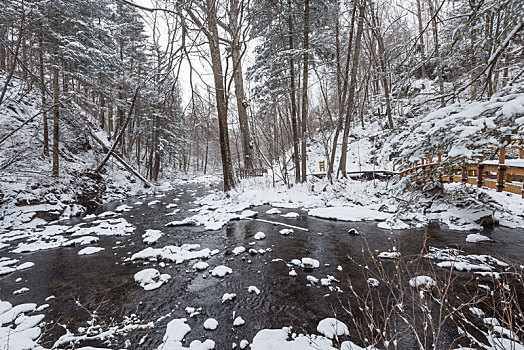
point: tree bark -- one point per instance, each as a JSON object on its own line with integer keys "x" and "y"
{"x": 42, "y": 93}
{"x": 218, "y": 77}
{"x": 342, "y": 99}
{"x": 421, "y": 39}
{"x": 437, "y": 54}
{"x": 352, "y": 87}
{"x": 294, "y": 116}
{"x": 305, "y": 89}
{"x": 56, "y": 112}
{"x": 236, "y": 57}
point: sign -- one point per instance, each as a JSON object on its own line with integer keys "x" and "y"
{"x": 322, "y": 165}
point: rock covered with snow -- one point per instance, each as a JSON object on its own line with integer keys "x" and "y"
{"x": 150, "y": 279}
{"x": 422, "y": 282}
{"x": 221, "y": 271}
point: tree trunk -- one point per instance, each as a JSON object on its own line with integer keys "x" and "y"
{"x": 351, "y": 92}
{"x": 304, "y": 89}
{"x": 42, "y": 93}
{"x": 236, "y": 56}
{"x": 437, "y": 55}
{"x": 56, "y": 113}
{"x": 422, "y": 50}
{"x": 342, "y": 98}
{"x": 296, "y": 155}
{"x": 216, "y": 62}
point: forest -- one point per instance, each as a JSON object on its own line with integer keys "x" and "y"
{"x": 384, "y": 139}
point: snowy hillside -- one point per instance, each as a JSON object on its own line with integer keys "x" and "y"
{"x": 28, "y": 194}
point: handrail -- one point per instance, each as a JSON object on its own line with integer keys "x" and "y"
{"x": 243, "y": 173}
{"x": 491, "y": 174}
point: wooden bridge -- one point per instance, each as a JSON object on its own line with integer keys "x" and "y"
{"x": 502, "y": 174}
{"x": 243, "y": 173}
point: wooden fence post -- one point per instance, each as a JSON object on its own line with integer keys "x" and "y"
{"x": 480, "y": 168}
{"x": 500, "y": 177}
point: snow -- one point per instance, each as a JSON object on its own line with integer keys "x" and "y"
{"x": 239, "y": 250}
{"x": 422, "y": 281}
{"x": 90, "y": 250}
{"x": 175, "y": 254}
{"x": 389, "y": 255}
{"x": 310, "y": 263}
{"x": 151, "y": 279}
{"x": 373, "y": 282}
{"x": 259, "y": 235}
{"x": 290, "y": 215}
{"x": 286, "y": 231}
{"x": 221, "y": 271}
{"x": 331, "y": 328}
{"x": 176, "y": 330}
{"x": 26, "y": 331}
{"x": 282, "y": 339}
{"x": 475, "y": 237}
{"x": 253, "y": 289}
{"x": 239, "y": 321}
{"x": 151, "y": 236}
{"x": 349, "y": 213}
{"x": 200, "y": 266}
{"x": 228, "y": 297}
{"x": 312, "y": 279}
{"x": 477, "y": 312}
{"x": 210, "y": 324}
{"x": 273, "y": 211}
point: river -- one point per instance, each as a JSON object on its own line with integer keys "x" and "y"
{"x": 103, "y": 282}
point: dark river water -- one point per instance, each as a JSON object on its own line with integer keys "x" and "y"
{"x": 104, "y": 281}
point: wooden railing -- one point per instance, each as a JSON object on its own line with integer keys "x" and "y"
{"x": 502, "y": 174}
{"x": 243, "y": 173}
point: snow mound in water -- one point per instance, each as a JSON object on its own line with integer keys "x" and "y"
{"x": 349, "y": 213}
{"x": 422, "y": 281}
{"x": 310, "y": 263}
{"x": 259, "y": 235}
{"x": 90, "y": 250}
{"x": 239, "y": 250}
{"x": 151, "y": 236}
{"x": 221, "y": 271}
{"x": 24, "y": 331}
{"x": 176, "y": 331}
{"x": 277, "y": 339}
{"x": 150, "y": 279}
{"x": 200, "y": 266}
{"x": 286, "y": 231}
{"x": 291, "y": 215}
{"x": 173, "y": 253}
{"x": 475, "y": 237}
{"x": 239, "y": 321}
{"x": 211, "y": 324}
{"x": 331, "y": 327}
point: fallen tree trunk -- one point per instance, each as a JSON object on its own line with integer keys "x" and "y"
{"x": 122, "y": 161}
{"x": 120, "y": 133}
